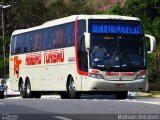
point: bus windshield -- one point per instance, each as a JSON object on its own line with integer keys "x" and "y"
{"x": 117, "y": 53}
{"x": 117, "y": 45}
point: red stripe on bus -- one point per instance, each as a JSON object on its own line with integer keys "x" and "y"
{"x": 75, "y": 39}
{"x": 112, "y": 74}
{"x": 120, "y": 74}
{"x": 127, "y": 73}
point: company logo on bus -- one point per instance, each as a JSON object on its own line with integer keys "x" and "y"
{"x": 71, "y": 59}
{"x": 120, "y": 73}
{"x": 53, "y": 56}
{"x": 17, "y": 64}
{"x": 50, "y": 56}
{"x": 34, "y": 58}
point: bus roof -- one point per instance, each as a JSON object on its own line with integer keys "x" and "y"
{"x": 73, "y": 18}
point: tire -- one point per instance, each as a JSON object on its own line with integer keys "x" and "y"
{"x": 28, "y": 90}
{"x": 64, "y": 95}
{"x": 1, "y": 95}
{"x": 121, "y": 94}
{"x": 72, "y": 93}
{"x": 25, "y": 90}
{"x": 22, "y": 90}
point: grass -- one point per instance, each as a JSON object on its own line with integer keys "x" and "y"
{"x": 155, "y": 93}
{"x": 152, "y": 94}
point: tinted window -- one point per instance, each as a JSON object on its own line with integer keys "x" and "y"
{"x": 19, "y": 41}
{"x": 28, "y": 43}
{"x": 37, "y": 40}
{"x": 113, "y": 53}
{"x": 82, "y": 54}
{"x": 59, "y": 35}
{"x": 13, "y": 45}
{"x": 69, "y": 35}
{"x": 48, "y": 38}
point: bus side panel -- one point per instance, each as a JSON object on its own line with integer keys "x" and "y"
{"x": 50, "y": 77}
{"x": 63, "y": 70}
{"x": 15, "y": 70}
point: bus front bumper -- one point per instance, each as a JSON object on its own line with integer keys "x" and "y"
{"x": 106, "y": 85}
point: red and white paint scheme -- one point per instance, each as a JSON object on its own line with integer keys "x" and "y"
{"x": 80, "y": 53}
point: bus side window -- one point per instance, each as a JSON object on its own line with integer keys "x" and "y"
{"x": 37, "y": 40}
{"x": 46, "y": 42}
{"x": 28, "y": 42}
{"x": 59, "y": 38}
{"x": 53, "y": 39}
{"x": 45, "y": 39}
{"x": 82, "y": 54}
{"x": 13, "y": 45}
{"x": 19, "y": 44}
{"x": 69, "y": 35}
{"x": 25, "y": 43}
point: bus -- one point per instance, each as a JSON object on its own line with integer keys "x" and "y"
{"x": 80, "y": 54}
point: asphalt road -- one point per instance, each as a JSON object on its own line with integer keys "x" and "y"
{"x": 88, "y": 107}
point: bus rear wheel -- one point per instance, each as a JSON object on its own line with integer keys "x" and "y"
{"x": 121, "y": 94}
{"x": 22, "y": 90}
{"x": 28, "y": 90}
{"x": 25, "y": 90}
{"x": 71, "y": 89}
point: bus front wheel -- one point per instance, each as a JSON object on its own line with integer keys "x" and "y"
{"x": 1, "y": 95}
{"x": 71, "y": 89}
{"x": 121, "y": 94}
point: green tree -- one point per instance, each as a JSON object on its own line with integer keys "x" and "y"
{"x": 29, "y": 13}
{"x": 56, "y": 10}
{"x": 146, "y": 10}
{"x": 61, "y": 8}
{"x": 156, "y": 27}
{"x": 116, "y": 10}
{"x": 81, "y": 7}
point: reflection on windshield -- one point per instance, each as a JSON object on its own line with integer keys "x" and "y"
{"x": 115, "y": 53}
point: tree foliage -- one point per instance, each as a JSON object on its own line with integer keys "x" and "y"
{"x": 29, "y": 13}
{"x": 147, "y": 10}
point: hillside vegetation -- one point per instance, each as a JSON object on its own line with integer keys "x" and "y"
{"x": 97, "y": 4}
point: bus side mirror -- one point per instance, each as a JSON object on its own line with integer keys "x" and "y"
{"x": 87, "y": 40}
{"x": 151, "y": 43}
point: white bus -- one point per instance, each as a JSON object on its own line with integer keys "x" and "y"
{"x": 80, "y": 54}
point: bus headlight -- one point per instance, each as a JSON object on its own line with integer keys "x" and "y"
{"x": 98, "y": 76}
{"x": 142, "y": 74}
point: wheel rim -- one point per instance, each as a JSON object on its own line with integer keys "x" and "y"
{"x": 71, "y": 86}
{"x": 28, "y": 89}
{"x": 22, "y": 88}
{"x": 72, "y": 93}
